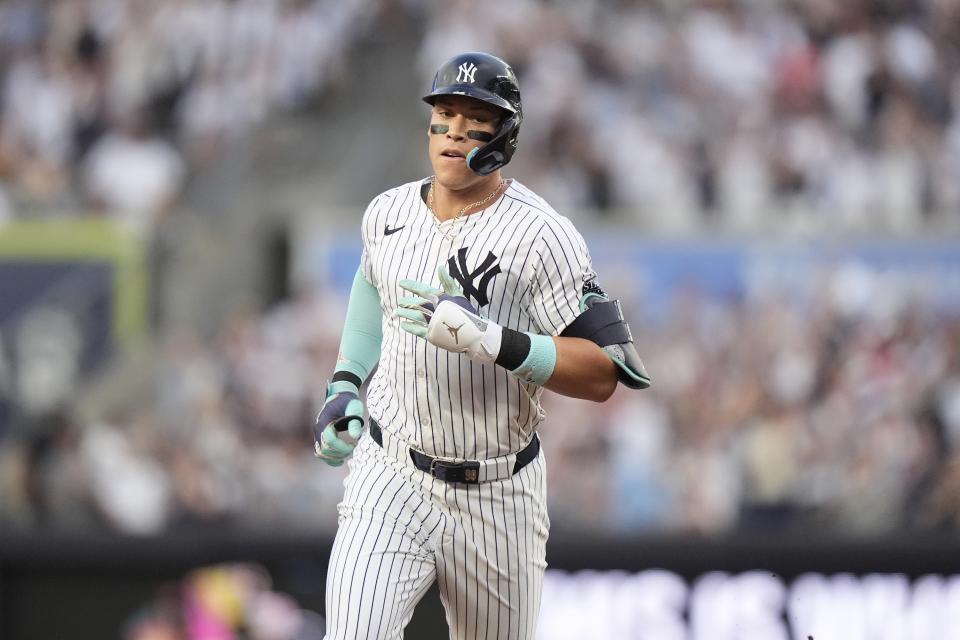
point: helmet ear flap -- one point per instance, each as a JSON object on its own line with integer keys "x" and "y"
{"x": 498, "y": 152}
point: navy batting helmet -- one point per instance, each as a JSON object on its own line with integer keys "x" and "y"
{"x": 490, "y": 79}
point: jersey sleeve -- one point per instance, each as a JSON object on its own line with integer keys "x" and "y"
{"x": 562, "y": 268}
{"x": 366, "y": 262}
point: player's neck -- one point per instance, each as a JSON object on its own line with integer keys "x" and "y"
{"x": 448, "y": 203}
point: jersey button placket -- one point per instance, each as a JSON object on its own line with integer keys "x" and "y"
{"x": 423, "y": 404}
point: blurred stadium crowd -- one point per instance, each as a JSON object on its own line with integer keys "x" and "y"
{"x": 836, "y": 115}
{"x": 106, "y": 103}
{"x": 837, "y": 414}
{"x": 766, "y": 414}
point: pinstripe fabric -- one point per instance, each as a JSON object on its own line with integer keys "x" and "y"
{"x": 400, "y": 528}
{"x": 443, "y": 403}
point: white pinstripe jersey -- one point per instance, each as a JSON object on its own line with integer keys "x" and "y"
{"x": 521, "y": 263}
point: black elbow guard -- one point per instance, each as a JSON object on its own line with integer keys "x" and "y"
{"x": 602, "y": 322}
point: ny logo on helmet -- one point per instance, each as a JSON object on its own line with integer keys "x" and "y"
{"x": 466, "y": 72}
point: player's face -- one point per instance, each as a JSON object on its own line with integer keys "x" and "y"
{"x": 459, "y": 115}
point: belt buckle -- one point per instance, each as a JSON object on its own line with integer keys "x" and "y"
{"x": 439, "y": 468}
{"x": 447, "y": 470}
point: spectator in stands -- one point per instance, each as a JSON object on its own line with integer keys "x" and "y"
{"x": 134, "y": 174}
{"x": 37, "y": 123}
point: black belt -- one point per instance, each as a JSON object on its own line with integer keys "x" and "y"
{"x": 468, "y": 471}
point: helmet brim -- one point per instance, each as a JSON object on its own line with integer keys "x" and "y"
{"x": 469, "y": 91}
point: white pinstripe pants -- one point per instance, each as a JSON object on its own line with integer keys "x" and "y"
{"x": 400, "y": 529}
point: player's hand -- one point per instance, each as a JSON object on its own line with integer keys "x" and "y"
{"x": 417, "y": 310}
{"x": 339, "y": 424}
{"x": 446, "y": 319}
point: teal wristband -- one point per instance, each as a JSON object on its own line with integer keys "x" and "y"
{"x": 341, "y": 386}
{"x": 540, "y": 362}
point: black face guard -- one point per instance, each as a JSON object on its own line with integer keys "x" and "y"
{"x": 496, "y": 153}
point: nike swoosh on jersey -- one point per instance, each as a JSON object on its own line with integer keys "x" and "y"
{"x": 387, "y": 230}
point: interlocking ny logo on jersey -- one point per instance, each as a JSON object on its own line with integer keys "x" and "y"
{"x": 461, "y": 272}
{"x": 466, "y": 72}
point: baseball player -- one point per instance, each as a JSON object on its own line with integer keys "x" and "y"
{"x": 472, "y": 296}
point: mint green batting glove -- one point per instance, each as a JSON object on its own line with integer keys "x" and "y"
{"x": 339, "y": 424}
